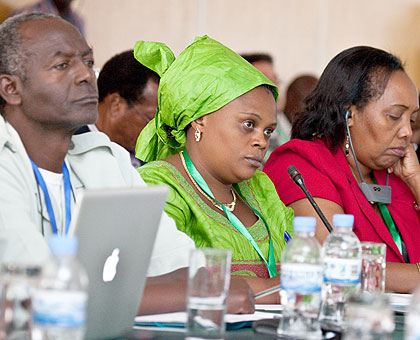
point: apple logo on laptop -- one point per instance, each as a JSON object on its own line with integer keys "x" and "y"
{"x": 110, "y": 266}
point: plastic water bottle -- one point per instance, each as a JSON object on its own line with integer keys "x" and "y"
{"x": 301, "y": 282}
{"x": 342, "y": 257}
{"x": 60, "y": 299}
{"x": 412, "y": 318}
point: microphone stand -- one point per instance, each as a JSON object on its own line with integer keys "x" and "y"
{"x": 296, "y": 176}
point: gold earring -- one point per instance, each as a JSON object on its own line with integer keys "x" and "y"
{"x": 197, "y": 134}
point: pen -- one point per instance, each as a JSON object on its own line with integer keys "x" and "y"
{"x": 267, "y": 292}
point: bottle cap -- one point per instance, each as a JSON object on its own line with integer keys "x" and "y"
{"x": 304, "y": 224}
{"x": 343, "y": 220}
{"x": 63, "y": 245}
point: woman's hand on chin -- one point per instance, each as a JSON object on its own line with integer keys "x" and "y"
{"x": 408, "y": 168}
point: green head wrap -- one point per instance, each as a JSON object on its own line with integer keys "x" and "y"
{"x": 206, "y": 76}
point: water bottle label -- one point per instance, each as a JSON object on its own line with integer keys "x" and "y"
{"x": 342, "y": 271}
{"x": 300, "y": 277}
{"x": 63, "y": 309}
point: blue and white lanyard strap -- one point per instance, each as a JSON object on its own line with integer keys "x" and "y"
{"x": 67, "y": 196}
{"x": 271, "y": 264}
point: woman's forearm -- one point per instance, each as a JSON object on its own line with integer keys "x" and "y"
{"x": 258, "y": 284}
{"x": 401, "y": 277}
{"x": 167, "y": 293}
{"x": 414, "y": 185}
{"x": 164, "y": 297}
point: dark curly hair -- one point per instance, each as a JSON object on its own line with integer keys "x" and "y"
{"x": 124, "y": 75}
{"x": 355, "y": 76}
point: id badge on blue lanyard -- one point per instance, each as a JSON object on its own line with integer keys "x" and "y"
{"x": 67, "y": 196}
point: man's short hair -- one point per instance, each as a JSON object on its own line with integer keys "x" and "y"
{"x": 12, "y": 55}
{"x": 256, "y": 57}
{"x": 124, "y": 75}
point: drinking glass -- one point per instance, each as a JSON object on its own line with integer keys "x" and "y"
{"x": 373, "y": 267}
{"x": 16, "y": 296}
{"x": 208, "y": 284}
{"x": 368, "y": 316}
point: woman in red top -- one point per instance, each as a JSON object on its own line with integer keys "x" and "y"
{"x": 365, "y": 97}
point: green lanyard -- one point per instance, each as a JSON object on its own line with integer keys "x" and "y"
{"x": 271, "y": 264}
{"x": 389, "y": 222}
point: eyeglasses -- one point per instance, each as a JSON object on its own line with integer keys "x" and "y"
{"x": 142, "y": 115}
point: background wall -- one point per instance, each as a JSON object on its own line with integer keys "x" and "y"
{"x": 302, "y": 35}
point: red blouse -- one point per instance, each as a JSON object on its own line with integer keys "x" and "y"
{"x": 327, "y": 175}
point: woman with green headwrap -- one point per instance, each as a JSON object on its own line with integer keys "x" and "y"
{"x": 215, "y": 117}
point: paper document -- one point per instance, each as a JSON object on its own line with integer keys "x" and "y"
{"x": 399, "y": 302}
{"x": 273, "y": 308}
{"x": 179, "y": 319}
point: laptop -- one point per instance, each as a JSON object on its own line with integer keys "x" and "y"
{"x": 116, "y": 229}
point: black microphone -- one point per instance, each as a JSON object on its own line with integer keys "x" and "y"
{"x": 296, "y": 176}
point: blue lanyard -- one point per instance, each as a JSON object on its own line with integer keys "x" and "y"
{"x": 67, "y": 196}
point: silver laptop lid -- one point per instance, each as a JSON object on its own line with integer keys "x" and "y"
{"x": 116, "y": 229}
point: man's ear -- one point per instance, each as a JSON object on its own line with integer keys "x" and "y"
{"x": 10, "y": 86}
{"x": 116, "y": 104}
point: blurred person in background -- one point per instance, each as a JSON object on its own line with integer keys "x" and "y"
{"x": 264, "y": 63}
{"x": 127, "y": 101}
{"x": 296, "y": 93}
{"x": 60, "y": 8}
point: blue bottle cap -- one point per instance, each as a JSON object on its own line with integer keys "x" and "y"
{"x": 63, "y": 245}
{"x": 304, "y": 224}
{"x": 343, "y": 220}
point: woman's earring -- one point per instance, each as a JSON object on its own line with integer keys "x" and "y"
{"x": 347, "y": 146}
{"x": 197, "y": 134}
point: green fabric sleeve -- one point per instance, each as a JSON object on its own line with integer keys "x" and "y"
{"x": 176, "y": 207}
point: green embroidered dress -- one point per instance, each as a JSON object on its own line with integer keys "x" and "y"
{"x": 208, "y": 228}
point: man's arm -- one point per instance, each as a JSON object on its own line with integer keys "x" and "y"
{"x": 165, "y": 293}
{"x": 20, "y": 219}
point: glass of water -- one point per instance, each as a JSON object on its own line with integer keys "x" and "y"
{"x": 208, "y": 284}
{"x": 17, "y": 282}
{"x": 373, "y": 266}
{"x": 368, "y": 316}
